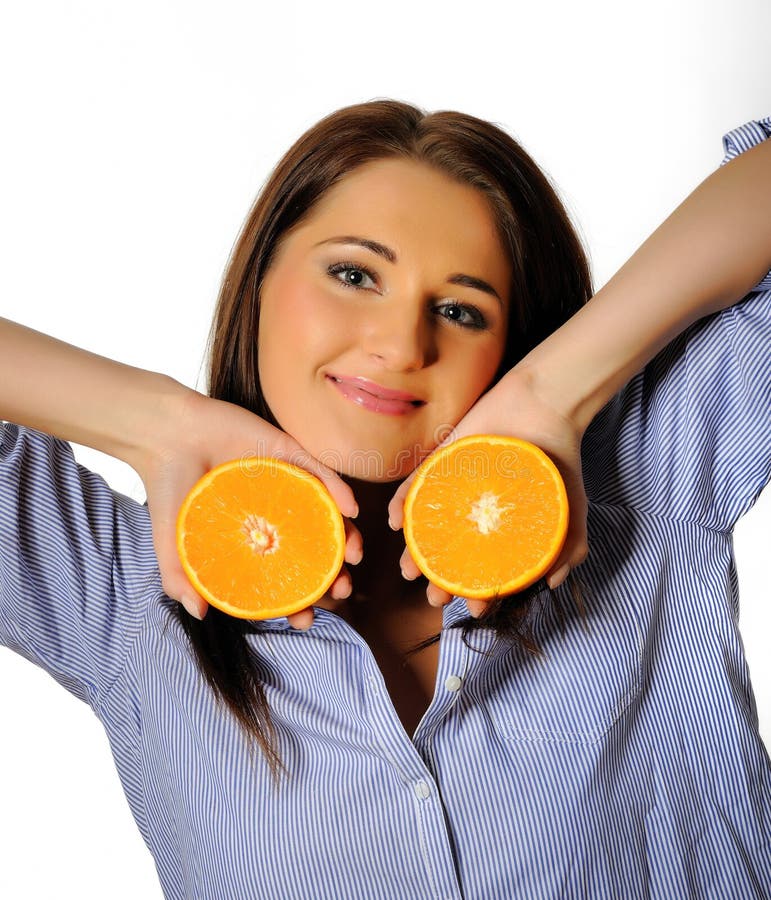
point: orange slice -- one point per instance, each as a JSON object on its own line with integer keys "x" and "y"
{"x": 260, "y": 538}
{"x": 486, "y": 515}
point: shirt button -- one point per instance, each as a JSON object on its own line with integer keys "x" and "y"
{"x": 422, "y": 790}
{"x": 453, "y": 683}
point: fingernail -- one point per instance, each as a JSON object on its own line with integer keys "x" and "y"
{"x": 305, "y": 627}
{"x": 355, "y": 511}
{"x": 391, "y": 524}
{"x": 341, "y": 591}
{"x": 357, "y": 558}
{"x": 559, "y": 576}
{"x": 192, "y": 607}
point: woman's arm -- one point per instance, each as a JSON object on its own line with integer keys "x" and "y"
{"x": 168, "y": 433}
{"x": 712, "y": 250}
{"x": 705, "y": 257}
{"x": 65, "y": 391}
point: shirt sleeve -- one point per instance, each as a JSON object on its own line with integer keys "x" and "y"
{"x": 76, "y": 562}
{"x": 689, "y": 437}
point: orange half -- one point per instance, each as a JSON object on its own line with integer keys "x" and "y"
{"x": 486, "y": 515}
{"x": 260, "y": 538}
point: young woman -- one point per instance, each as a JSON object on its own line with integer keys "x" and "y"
{"x": 541, "y": 748}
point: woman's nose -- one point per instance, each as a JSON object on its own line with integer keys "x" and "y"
{"x": 401, "y": 340}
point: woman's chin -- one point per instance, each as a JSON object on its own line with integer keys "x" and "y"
{"x": 372, "y": 466}
{"x": 371, "y": 471}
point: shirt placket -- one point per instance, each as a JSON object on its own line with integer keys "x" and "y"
{"x": 412, "y": 759}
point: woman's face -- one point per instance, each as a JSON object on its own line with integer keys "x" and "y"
{"x": 408, "y": 323}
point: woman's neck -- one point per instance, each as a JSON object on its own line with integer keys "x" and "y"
{"x": 378, "y": 576}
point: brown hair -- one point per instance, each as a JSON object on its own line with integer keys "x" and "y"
{"x": 551, "y": 281}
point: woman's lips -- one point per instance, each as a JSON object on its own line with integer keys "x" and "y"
{"x": 371, "y": 402}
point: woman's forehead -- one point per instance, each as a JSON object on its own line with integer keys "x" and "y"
{"x": 404, "y": 185}
{"x": 403, "y": 205}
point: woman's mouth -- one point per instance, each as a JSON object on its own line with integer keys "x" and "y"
{"x": 369, "y": 401}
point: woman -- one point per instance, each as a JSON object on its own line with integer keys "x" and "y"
{"x": 625, "y": 759}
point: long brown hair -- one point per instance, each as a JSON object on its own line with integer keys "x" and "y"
{"x": 551, "y": 281}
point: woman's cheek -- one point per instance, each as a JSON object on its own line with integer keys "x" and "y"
{"x": 316, "y": 322}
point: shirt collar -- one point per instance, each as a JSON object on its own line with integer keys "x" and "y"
{"x": 330, "y": 626}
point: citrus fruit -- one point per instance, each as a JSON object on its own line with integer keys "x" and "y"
{"x": 485, "y": 515}
{"x": 260, "y": 538}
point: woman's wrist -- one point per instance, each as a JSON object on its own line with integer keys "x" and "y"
{"x": 585, "y": 362}
{"x": 158, "y": 406}
{"x": 580, "y": 366}
{"x": 710, "y": 251}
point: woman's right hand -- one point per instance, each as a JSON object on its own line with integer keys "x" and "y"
{"x": 201, "y": 434}
{"x": 514, "y": 407}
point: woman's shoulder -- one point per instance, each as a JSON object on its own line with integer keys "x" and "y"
{"x": 36, "y": 456}
{"x": 688, "y": 436}
{"x": 78, "y": 567}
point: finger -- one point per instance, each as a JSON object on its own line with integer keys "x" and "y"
{"x": 174, "y": 581}
{"x": 396, "y": 503}
{"x": 576, "y": 546}
{"x": 354, "y": 543}
{"x": 194, "y": 604}
{"x": 436, "y": 596}
{"x": 342, "y": 586}
{"x": 301, "y": 620}
{"x": 341, "y": 493}
{"x": 574, "y": 552}
{"x": 476, "y": 607}
{"x": 333, "y": 599}
{"x": 556, "y": 578}
{"x": 409, "y": 568}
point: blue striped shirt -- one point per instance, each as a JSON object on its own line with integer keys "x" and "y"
{"x": 625, "y": 763}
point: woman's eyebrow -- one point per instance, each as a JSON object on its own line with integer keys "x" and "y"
{"x": 387, "y": 253}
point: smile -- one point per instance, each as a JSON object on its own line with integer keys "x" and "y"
{"x": 369, "y": 401}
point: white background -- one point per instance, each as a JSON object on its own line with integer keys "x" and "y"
{"x": 136, "y": 136}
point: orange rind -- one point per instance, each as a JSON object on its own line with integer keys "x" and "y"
{"x": 486, "y": 515}
{"x": 260, "y": 538}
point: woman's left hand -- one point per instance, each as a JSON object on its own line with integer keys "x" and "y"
{"x": 512, "y": 407}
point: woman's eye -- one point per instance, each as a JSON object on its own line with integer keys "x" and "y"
{"x": 360, "y": 274}
{"x": 474, "y": 318}
{"x": 354, "y": 276}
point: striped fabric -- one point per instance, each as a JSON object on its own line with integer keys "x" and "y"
{"x": 625, "y": 764}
